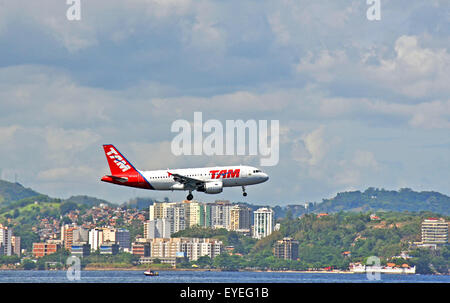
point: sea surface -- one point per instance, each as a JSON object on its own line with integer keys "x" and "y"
{"x": 34, "y": 276}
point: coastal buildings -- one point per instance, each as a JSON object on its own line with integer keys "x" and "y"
{"x": 263, "y": 222}
{"x": 286, "y": 249}
{"x": 190, "y": 248}
{"x": 75, "y": 238}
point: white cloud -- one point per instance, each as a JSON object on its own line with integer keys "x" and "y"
{"x": 324, "y": 66}
{"x": 415, "y": 71}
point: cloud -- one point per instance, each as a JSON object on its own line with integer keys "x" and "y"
{"x": 323, "y": 67}
{"x": 415, "y": 71}
{"x": 127, "y": 70}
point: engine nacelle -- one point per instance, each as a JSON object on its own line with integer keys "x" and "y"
{"x": 214, "y": 187}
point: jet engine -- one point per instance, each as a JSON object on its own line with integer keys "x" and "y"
{"x": 214, "y": 187}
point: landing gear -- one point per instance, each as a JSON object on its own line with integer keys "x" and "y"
{"x": 190, "y": 196}
{"x": 243, "y": 191}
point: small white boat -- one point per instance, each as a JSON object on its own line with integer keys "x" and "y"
{"x": 151, "y": 273}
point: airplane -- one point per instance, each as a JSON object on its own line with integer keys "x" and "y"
{"x": 210, "y": 180}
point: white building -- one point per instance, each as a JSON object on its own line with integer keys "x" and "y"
{"x": 95, "y": 238}
{"x": 263, "y": 222}
{"x": 5, "y": 241}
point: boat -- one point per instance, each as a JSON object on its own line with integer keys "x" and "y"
{"x": 151, "y": 273}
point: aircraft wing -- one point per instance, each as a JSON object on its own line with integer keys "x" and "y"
{"x": 187, "y": 181}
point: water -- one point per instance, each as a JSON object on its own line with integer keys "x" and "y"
{"x": 25, "y": 276}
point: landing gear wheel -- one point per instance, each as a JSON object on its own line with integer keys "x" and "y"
{"x": 189, "y": 197}
{"x": 244, "y": 194}
{"x": 243, "y": 191}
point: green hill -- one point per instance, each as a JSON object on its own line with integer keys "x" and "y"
{"x": 374, "y": 199}
{"x": 14, "y": 191}
{"x": 87, "y": 200}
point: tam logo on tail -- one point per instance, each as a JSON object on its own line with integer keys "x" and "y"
{"x": 118, "y": 159}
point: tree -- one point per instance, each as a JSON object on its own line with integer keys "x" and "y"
{"x": 28, "y": 264}
{"x": 67, "y": 207}
{"x": 204, "y": 261}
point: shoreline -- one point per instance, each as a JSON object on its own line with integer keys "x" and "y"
{"x": 214, "y": 270}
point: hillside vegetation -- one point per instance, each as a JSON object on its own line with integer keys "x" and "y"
{"x": 14, "y": 191}
{"x": 374, "y": 199}
{"x": 332, "y": 241}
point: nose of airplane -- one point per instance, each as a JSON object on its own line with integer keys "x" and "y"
{"x": 265, "y": 177}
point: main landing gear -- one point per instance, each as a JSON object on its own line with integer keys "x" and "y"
{"x": 190, "y": 196}
{"x": 243, "y": 191}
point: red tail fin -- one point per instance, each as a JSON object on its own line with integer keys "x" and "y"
{"x": 118, "y": 164}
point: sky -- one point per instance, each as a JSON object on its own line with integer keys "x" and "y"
{"x": 360, "y": 103}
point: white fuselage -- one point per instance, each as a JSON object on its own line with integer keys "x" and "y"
{"x": 228, "y": 175}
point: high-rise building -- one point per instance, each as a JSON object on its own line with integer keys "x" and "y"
{"x": 123, "y": 238}
{"x": 156, "y": 211}
{"x": 220, "y": 214}
{"x": 434, "y": 231}
{"x": 263, "y": 222}
{"x": 5, "y": 241}
{"x": 179, "y": 218}
{"x": 71, "y": 233}
{"x": 174, "y": 212}
{"x": 286, "y": 249}
{"x": 95, "y": 238}
{"x": 15, "y": 242}
{"x": 67, "y": 235}
{"x": 80, "y": 234}
{"x": 194, "y": 213}
{"x": 239, "y": 218}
